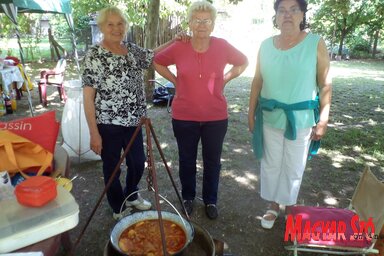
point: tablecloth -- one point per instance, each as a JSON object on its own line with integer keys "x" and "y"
{"x": 8, "y": 75}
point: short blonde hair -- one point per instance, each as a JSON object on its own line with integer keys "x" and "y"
{"x": 202, "y": 6}
{"x": 104, "y": 13}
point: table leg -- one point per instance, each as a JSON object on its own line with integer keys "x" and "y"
{"x": 66, "y": 241}
{"x": 49, "y": 246}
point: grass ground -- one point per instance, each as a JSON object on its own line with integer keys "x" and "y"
{"x": 34, "y": 49}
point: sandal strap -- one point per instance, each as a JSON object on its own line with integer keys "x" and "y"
{"x": 273, "y": 212}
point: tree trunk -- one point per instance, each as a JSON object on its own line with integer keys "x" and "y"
{"x": 376, "y": 40}
{"x": 150, "y": 39}
{"x": 342, "y": 37}
{"x": 333, "y": 38}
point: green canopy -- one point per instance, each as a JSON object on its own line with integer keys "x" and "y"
{"x": 41, "y": 6}
{"x": 12, "y": 7}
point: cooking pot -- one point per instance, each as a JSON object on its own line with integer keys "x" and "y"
{"x": 202, "y": 245}
{"x": 134, "y": 218}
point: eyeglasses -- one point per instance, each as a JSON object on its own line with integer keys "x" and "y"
{"x": 292, "y": 11}
{"x": 197, "y": 22}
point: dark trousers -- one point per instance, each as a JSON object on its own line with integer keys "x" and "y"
{"x": 188, "y": 135}
{"x": 115, "y": 140}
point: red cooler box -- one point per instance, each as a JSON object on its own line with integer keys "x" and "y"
{"x": 36, "y": 191}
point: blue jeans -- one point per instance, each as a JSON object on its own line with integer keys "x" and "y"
{"x": 115, "y": 140}
{"x": 188, "y": 135}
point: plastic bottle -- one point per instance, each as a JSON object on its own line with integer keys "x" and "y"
{"x": 13, "y": 100}
{"x": 8, "y": 104}
{"x": 2, "y": 106}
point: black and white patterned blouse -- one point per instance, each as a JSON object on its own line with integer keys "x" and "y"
{"x": 119, "y": 83}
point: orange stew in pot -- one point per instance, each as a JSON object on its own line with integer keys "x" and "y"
{"x": 144, "y": 238}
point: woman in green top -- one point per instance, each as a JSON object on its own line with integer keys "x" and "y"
{"x": 292, "y": 68}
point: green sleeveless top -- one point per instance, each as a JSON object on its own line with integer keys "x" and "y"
{"x": 289, "y": 76}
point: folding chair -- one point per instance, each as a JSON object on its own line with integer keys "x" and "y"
{"x": 349, "y": 231}
{"x": 54, "y": 77}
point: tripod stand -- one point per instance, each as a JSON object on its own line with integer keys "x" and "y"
{"x": 151, "y": 178}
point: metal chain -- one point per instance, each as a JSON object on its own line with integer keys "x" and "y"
{"x": 149, "y": 168}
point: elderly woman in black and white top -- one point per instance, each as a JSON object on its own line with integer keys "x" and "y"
{"x": 114, "y": 103}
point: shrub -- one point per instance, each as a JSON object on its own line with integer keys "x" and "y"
{"x": 364, "y": 47}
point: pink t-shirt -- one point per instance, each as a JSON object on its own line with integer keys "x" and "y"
{"x": 199, "y": 87}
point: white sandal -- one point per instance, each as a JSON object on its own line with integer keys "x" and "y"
{"x": 268, "y": 224}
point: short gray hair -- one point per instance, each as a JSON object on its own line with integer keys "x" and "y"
{"x": 104, "y": 13}
{"x": 202, "y": 6}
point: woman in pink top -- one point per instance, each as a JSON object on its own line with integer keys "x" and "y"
{"x": 199, "y": 108}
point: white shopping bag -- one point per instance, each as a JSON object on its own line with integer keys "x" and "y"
{"x": 74, "y": 127}
{"x": 6, "y": 188}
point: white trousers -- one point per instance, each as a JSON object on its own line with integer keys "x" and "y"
{"x": 282, "y": 165}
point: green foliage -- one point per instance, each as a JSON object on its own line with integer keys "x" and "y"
{"x": 364, "y": 47}
{"x": 27, "y": 23}
{"x": 358, "y": 54}
{"x": 359, "y": 43}
{"x": 6, "y": 25}
{"x": 137, "y": 11}
{"x": 82, "y": 22}
{"x": 59, "y": 25}
{"x": 82, "y": 12}
{"x": 84, "y": 8}
{"x": 348, "y": 22}
{"x": 170, "y": 8}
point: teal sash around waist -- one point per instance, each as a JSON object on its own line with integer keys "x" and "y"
{"x": 290, "y": 131}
